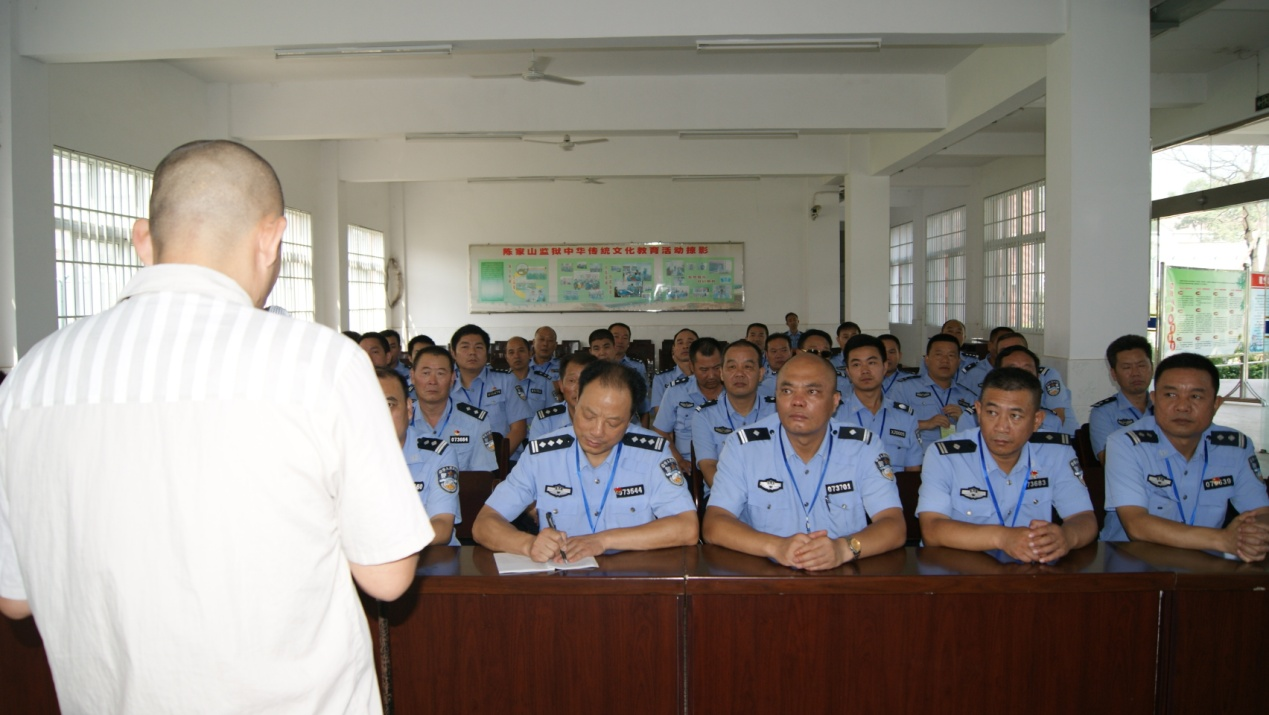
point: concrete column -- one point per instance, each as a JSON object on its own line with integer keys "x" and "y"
{"x": 329, "y": 285}
{"x": 866, "y": 209}
{"x": 8, "y": 303}
{"x": 1097, "y": 190}
{"x": 395, "y": 248}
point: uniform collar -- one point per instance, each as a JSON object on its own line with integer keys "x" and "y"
{"x": 829, "y": 432}
{"x": 186, "y": 278}
{"x": 1122, "y": 402}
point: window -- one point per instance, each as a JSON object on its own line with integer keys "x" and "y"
{"x": 945, "y": 267}
{"x": 901, "y": 273}
{"x": 1013, "y": 243}
{"x": 95, "y": 203}
{"x": 367, "y": 295}
{"x": 294, "y": 289}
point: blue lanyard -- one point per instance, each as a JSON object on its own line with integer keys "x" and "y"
{"x": 895, "y": 376}
{"x": 440, "y": 432}
{"x": 942, "y": 400}
{"x": 743, "y": 420}
{"x": 1176, "y": 493}
{"x": 480, "y": 394}
{"x": 1026, "y": 482}
{"x": 807, "y": 505}
{"x": 581, "y": 483}
{"x": 880, "y": 430}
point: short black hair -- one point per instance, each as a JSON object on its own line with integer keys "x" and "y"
{"x": 695, "y": 334}
{"x": 1019, "y": 349}
{"x": 377, "y": 337}
{"x": 1013, "y": 379}
{"x": 998, "y": 330}
{"x": 469, "y": 329}
{"x": 813, "y": 332}
{"x": 779, "y": 336}
{"x": 577, "y": 357}
{"x": 391, "y": 332}
{"x": 942, "y": 338}
{"x": 849, "y": 324}
{"x": 1010, "y": 336}
{"x": 742, "y": 344}
{"x": 751, "y": 326}
{"x": 387, "y": 373}
{"x": 620, "y": 325}
{"x": 1123, "y": 344}
{"x": 424, "y": 339}
{"x": 600, "y": 334}
{"x": 1192, "y": 361}
{"x": 863, "y": 341}
{"x": 888, "y": 336}
{"x": 706, "y": 347}
{"x": 435, "y": 350}
{"x": 786, "y": 315}
{"x": 613, "y": 374}
{"x": 353, "y": 335}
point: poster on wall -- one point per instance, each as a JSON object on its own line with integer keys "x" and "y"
{"x": 1203, "y": 311}
{"x": 650, "y": 277}
{"x": 1259, "y": 310}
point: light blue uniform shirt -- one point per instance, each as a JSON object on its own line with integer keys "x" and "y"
{"x": 763, "y": 482}
{"x": 467, "y": 430}
{"x": 435, "y": 473}
{"x": 549, "y": 419}
{"x": 927, "y": 399}
{"x": 715, "y": 420}
{"x": 495, "y": 392}
{"x": 662, "y": 381}
{"x": 954, "y": 481}
{"x": 766, "y": 388}
{"x": 1144, "y": 469}
{"x": 678, "y": 407}
{"x": 895, "y": 423}
{"x": 642, "y": 370}
{"x": 1111, "y": 415}
{"x": 536, "y": 390}
{"x": 645, "y": 484}
{"x": 1054, "y": 394}
{"x": 550, "y": 369}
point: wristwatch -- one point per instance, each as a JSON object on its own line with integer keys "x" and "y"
{"x": 855, "y": 546}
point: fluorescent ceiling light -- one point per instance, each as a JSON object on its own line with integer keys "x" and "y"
{"x": 491, "y": 179}
{"x": 463, "y": 136}
{"x": 716, "y": 177}
{"x": 286, "y": 53}
{"x": 745, "y": 44}
{"x": 739, "y": 134}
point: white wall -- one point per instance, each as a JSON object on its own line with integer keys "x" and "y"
{"x": 771, "y": 217}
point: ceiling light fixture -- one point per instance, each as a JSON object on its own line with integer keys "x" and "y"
{"x": 739, "y": 134}
{"x": 289, "y": 53}
{"x": 823, "y": 44}
{"x": 716, "y": 177}
{"x": 464, "y": 136}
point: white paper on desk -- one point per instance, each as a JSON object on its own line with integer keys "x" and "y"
{"x": 515, "y": 563}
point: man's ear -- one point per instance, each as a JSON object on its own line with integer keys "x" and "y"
{"x": 143, "y": 242}
{"x": 269, "y": 240}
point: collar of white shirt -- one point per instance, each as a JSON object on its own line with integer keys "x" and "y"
{"x": 185, "y": 278}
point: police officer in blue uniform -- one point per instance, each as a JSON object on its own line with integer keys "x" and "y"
{"x": 620, "y": 346}
{"x": 995, "y": 488}
{"x": 756, "y": 333}
{"x": 1056, "y": 396}
{"x": 737, "y": 408}
{"x": 544, "y": 361}
{"x": 935, "y": 398}
{"x": 845, "y": 332}
{"x": 1130, "y": 358}
{"x": 817, "y": 342}
{"x": 681, "y": 353}
{"x": 864, "y": 404}
{"x": 1170, "y": 477}
{"x": 560, "y": 415}
{"x": 792, "y": 322}
{"x": 437, "y": 415}
{"x": 678, "y": 405}
{"x": 431, "y": 462}
{"x": 535, "y": 388}
{"x": 600, "y": 485}
{"x": 779, "y": 350}
{"x": 488, "y": 390}
{"x": 1022, "y": 358}
{"x": 800, "y": 488}
{"x": 895, "y": 370}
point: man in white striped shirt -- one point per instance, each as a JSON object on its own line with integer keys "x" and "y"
{"x": 187, "y": 482}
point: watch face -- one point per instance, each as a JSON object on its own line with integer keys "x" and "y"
{"x": 855, "y": 546}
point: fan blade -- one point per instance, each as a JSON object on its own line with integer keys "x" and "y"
{"x": 561, "y": 80}
{"x": 496, "y": 76}
{"x": 539, "y": 141}
{"x": 590, "y": 141}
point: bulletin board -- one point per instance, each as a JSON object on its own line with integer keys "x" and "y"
{"x": 603, "y": 277}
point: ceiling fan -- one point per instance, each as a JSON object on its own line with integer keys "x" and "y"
{"x": 535, "y": 73}
{"x": 567, "y": 144}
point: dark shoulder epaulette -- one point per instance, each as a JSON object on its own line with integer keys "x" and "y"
{"x": 754, "y": 434}
{"x": 431, "y": 444}
{"x": 552, "y": 411}
{"x": 1050, "y": 438}
{"x": 504, "y": 371}
{"x": 909, "y": 377}
{"x": 473, "y": 410}
{"x": 681, "y": 380}
{"x": 910, "y": 370}
{"x": 1143, "y": 436}
{"x": 970, "y": 366}
{"x": 644, "y": 441}
{"x": 957, "y": 446}
{"x": 1043, "y": 370}
{"x": 971, "y": 410}
{"x": 539, "y": 373}
{"x": 1102, "y": 403}
{"x": 668, "y": 369}
{"x": 550, "y": 444}
{"x": 769, "y": 398}
{"x": 707, "y": 403}
{"x": 859, "y": 433}
{"x": 904, "y": 408}
{"x": 1227, "y": 438}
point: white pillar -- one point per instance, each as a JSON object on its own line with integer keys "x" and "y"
{"x": 328, "y": 259}
{"x": 395, "y": 245}
{"x": 866, "y": 244}
{"x": 1097, "y": 257}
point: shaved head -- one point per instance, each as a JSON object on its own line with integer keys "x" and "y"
{"x": 213, "y": 192}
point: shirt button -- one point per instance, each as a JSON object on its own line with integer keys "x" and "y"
{"x": 596, "y": 513}
{"x": 631, "y": 510}
{"x": 597, "y": 481}
{"x": 969, "y": 513}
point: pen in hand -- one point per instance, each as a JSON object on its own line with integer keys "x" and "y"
{"x": 550, "y": 521}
